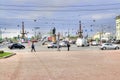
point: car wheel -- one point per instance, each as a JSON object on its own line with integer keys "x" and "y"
{"x": 117, "y": 48}
{"x": 12, "y": 47}
{"x": 104, "y": 48}
{"x": 23, "y": 47}
{"x": 82, "y": 45}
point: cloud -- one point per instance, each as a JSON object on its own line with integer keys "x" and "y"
{"x": 103, "y": 16}
{"x": 99, "y": 16}
{"x": 34, "y": 15}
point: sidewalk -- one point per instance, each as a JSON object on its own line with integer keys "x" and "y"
{"x": 62, "y": 65}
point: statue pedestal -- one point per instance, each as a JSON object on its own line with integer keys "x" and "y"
{"x": 54, "y": 38}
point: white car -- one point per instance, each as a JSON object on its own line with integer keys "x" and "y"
{"x": 53, "y": 45}
{"x": 105, "y": 46}
{"x": 63, "y": 44}
{"x": 94, "y": 43}
{"x": 81, "y": 42}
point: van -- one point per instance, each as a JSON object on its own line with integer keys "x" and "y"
{"x": 81, "y": 42}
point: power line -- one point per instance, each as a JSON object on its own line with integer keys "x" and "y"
{"x": 48, "y": 10}
{"x": 60, "y": 5}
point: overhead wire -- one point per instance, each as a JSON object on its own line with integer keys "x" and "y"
{"x": 60, "y": 5}
{"x": 73, "y": 8}
{"x": 78, "y": 10}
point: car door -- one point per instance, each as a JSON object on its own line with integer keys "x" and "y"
{"x": 14, "y": 45}
{"x": 106, "y": 46}
{"x": 19, "y": 45}
{"x": 111, "y": 46}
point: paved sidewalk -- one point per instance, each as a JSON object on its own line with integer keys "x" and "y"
{"x": 62, "y": 65}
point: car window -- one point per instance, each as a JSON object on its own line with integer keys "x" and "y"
{"x": 107, "y": 44}
{"x": 19, "y": 44}
{"x": 14, "y": 44}
{"x": 110, "y": 44}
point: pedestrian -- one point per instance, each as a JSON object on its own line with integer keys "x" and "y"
{"x": 33, "y": 47}
{"x": 68, "y": 46}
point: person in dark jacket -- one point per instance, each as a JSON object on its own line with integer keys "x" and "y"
{"x": 33, "y": 47}
{"x": 68, "y": 46}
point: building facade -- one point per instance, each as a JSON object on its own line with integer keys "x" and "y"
{"x": 102, "y": 36}
{"x": 118, "y": 27}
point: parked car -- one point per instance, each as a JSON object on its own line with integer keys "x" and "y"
{"x": 63, "y": 44}
{"x": 94, "y": 43}
{"x": 16, "y": 45}
{"x": 53, "y": 45}
{"x": 116, "y": 42}
{"x": 81, "y": 42}
{"x": 105, "y": 46}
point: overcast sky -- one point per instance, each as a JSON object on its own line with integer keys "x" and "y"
{"x": 62, "y": 14}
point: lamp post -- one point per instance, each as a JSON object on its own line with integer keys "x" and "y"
{"x": 58, "y": 47}
{"x": 18, "y": 32}
{"x": 36, "y": 33}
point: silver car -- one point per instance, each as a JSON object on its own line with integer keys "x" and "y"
{"x": 105, "y": 46}
{"x": 53, "y": 45}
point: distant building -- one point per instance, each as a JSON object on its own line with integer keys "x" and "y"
{"x": 102, "y": 36}
{"x": 96, "y": 36}
{"x": 118, "y": 27}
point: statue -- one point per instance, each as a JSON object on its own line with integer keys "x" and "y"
{"x": 54, "y": 30}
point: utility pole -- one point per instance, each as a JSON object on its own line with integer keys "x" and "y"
{"x": 58, "y": 46}
{"x": 101, "y": 34}
{"x": 36, "y": 32}
{"x": 68, "y": 33}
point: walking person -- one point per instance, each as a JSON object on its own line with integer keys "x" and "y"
{"x": 33, "y": 47}
{"x": 68, "y": 46}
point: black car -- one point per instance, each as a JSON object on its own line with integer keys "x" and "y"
{"x": 16, "y": 45}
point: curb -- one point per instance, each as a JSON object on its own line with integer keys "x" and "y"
{"x": 9, "y": 55}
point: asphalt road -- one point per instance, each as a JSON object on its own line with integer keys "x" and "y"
{"x": 40, "y": 48}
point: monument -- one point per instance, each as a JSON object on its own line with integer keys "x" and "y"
{"x": 54, "y": 35}
{"x": 23, "y": 31}
{"x": 80, "y": 31}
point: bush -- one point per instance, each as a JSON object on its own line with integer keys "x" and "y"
{"x": 1, "y": 51}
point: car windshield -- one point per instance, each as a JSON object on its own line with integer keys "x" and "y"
{"x": 107, "y": 44}
{"x": 17, "y": 44}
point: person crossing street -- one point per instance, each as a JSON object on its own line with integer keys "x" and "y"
{"x": 68, "y": 46}
{"x": 33, "y": 47}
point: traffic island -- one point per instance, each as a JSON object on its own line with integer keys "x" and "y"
{"x": 6, "y": 54}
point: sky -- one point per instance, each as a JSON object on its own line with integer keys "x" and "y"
{"x": 64, "y": 15}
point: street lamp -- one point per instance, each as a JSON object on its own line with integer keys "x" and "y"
{"x": 58, "y": 47}
{"x": 36, "y": 33}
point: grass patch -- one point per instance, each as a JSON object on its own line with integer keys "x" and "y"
{"x": 5, "y": 54}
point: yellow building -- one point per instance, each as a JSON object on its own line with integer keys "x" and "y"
{"x": 96, "y": 36}
{"x": 118, "y": 27}
{"x": 101, "y": 36}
